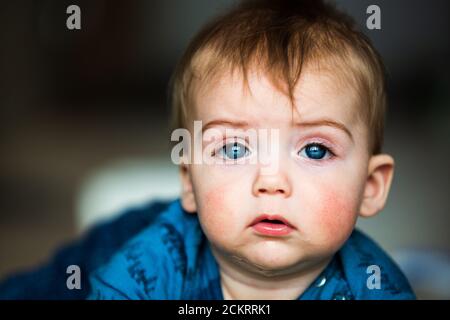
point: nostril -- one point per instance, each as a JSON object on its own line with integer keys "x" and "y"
{"x": 272, "y": 191}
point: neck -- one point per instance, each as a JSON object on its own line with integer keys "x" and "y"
{"x": 239, "y": 283}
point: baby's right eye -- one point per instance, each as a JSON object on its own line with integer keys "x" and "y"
{"x": 233, "y": 151}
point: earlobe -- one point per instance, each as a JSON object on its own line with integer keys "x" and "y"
{"x": 378, "y": 183}
{"x": 187, "y": 194}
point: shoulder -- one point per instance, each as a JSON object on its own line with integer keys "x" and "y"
{"x": 153, "y": 264}
{"x": 370, "y": 272}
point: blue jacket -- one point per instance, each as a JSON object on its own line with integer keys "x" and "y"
{"x": 93, "y": 249}
{"x": 171, "y": 259}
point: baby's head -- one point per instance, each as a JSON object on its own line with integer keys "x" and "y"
{"x": 302, "y": 72}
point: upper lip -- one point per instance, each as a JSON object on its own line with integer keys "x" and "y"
{"x": 271, "y": 217}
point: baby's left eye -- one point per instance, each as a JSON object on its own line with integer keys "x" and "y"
{"x": 315, "y": 151}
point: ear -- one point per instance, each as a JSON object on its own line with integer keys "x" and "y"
{"x": 187, "y": 192}
{"x": 378, "y": 183}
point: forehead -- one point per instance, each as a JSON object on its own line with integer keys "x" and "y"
{"x": 258, "y": 101}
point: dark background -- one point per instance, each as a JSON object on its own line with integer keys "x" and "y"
{"x": 80, "y": 107}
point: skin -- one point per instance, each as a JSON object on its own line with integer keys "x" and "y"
{"x": 321, "y": 199}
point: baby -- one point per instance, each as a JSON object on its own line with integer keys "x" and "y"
{"x": 270, "y": 218}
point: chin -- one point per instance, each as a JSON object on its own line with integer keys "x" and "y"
{"x": 272, "y": 261}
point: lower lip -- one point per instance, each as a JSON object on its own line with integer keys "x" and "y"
{"x": 272, "y": 229}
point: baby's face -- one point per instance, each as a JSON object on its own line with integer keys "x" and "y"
{"x": 317, "y": 186}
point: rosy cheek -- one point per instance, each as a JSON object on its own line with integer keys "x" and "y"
{"x": 214, "y": 199}
{"x": 335, "y": 217}
{"x": 214, "y": 211}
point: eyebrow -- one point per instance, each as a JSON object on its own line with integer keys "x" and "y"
{"x": 316, "y": 123}
{"x": 224, "y": 122}
{"x": 328, "y": 123}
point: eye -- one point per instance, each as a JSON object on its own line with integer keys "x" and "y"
{"x": 234, "y": 150}
{"x": 316, "y": 151}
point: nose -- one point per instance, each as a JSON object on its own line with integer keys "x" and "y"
{"x": 274, "y": 184}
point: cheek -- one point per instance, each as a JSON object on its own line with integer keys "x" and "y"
{"x": 218, "y": 212}
{"x": 334, "y": 217}
{"x": 221, "y": 201}
{"x": 220, "y": 197}
{"x": 337, "y": 211}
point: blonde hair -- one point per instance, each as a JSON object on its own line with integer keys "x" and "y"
{"x": 280, "y": 37}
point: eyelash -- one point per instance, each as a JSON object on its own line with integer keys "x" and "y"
{"x": 228, "y": 141}
{"x": 322, "y": 145}
{"x": 244, "y": 143}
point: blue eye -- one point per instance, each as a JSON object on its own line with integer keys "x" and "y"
{"x": 315, "y": 151}
{"x": 233, "y": 151}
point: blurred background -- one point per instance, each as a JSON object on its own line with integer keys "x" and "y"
{"x": 84, "y": 122}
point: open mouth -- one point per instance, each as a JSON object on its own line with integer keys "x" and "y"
{"x": 273, "y": 225}
{"x": 273, "y": 221}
